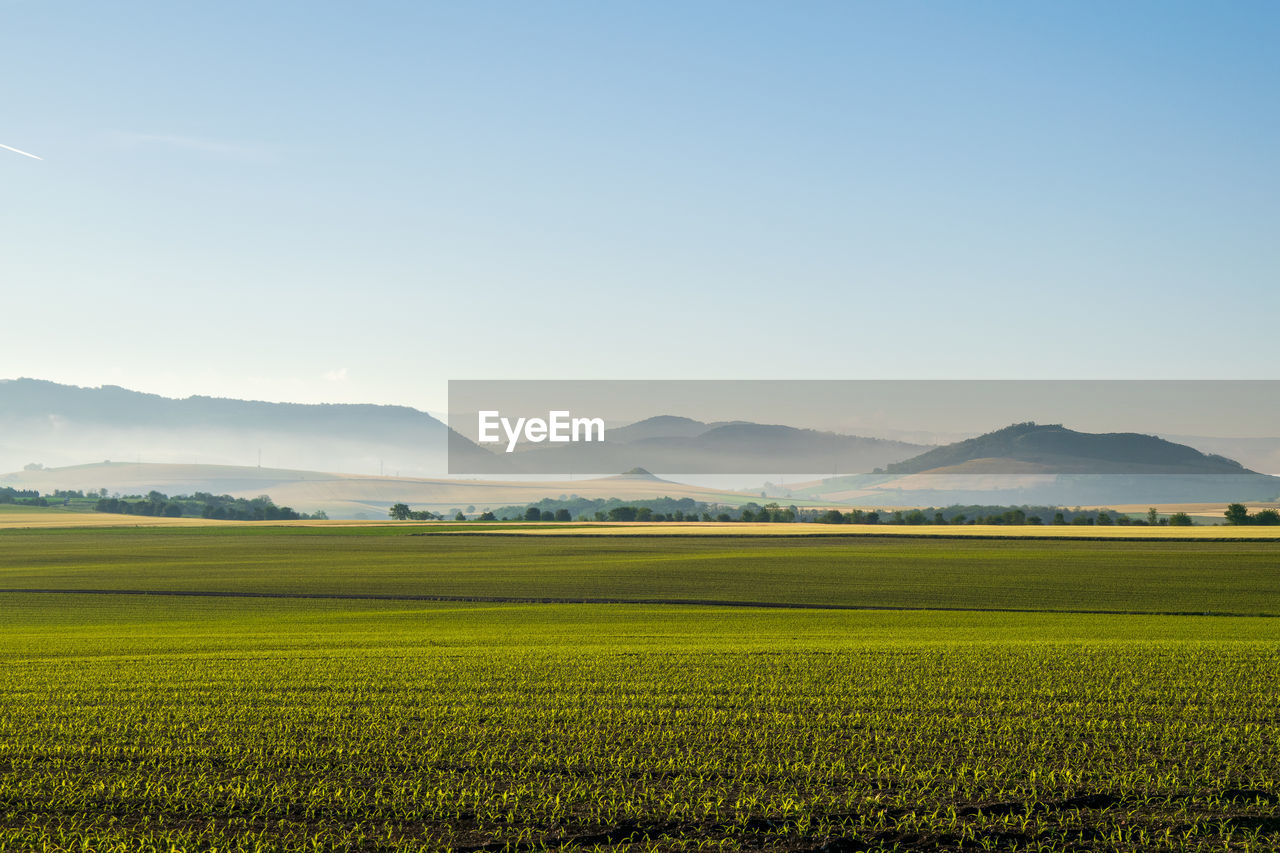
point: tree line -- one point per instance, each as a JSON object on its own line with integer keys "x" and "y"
{"x": 1001, "y": 515}
{"x": 688, "y": 510}
{"x": 202, "y": 505}
{"x": 21, "y": 497}
{"x": 1239, "y": 514}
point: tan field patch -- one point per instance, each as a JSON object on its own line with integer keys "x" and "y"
{"x": 25, "y": 518}
{"x": 12, "y": 516}
{"x": 988, "y": 467}
{"x": 1214, "y": 509}
{"x": 976, "y": 478}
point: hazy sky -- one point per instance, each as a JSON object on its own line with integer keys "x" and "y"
{"x": 355, "y": 202}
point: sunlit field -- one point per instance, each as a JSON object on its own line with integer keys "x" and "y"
{"x": 228, "y": 688}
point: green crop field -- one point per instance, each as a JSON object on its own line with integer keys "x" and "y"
{"x": 1172, "y": 577}
{"x": 162, "y": 722}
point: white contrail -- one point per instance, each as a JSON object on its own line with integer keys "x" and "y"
{"x": 19, "y": 151}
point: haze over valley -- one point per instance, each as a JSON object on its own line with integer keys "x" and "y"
{"x": 355, "y": 460}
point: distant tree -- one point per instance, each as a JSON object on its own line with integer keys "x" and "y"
{"x": 748, "y": 515}
{"x": 486, "y": 516}
{"x": 533, "y": 514}
{"x": 871, "y": 518}
{"x": 459, "y": 517}
{"x": 723, "y": 517}
{"x": 644, "y": 513}
{"x": 399, "y": 512}
{"x": 1268, "y": 517}
{"x": 1034, "y": 519}
{"x": 1237, "y": 514}
{"x": 1059, "y": 518}
{"x": 548, "y": 515}
{"x": 1104, "y": 518}
{"x": 471, "y": 508}
{"x": 1153, "y": 516}
{"x": 1179, "y": 519}
{"x": 562, "y": 515}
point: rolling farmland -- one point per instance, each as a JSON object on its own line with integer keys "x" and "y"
{"x": 240, "y": 695}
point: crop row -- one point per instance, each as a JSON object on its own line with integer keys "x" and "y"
{"x": 1118, "y": 747}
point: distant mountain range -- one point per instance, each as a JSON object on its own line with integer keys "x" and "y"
{"x": 55, "y": 425}
{"x": 1036, "y": 463}
{"x": 1029, "y": 448}
{"x": 51, "y": 424}
{"x": 667, "y": 443}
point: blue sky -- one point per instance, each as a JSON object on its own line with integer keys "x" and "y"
{"x": 324, "y": 202}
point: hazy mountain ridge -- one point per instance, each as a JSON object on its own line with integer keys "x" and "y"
{"x": 1059, "y": 450}
{"x": 56, "y": 425}
{"x": 658, "y": 426}
{"x": 1261, "y": 454}
{"x": 59, "y": 425}
{"x": 116, "y": 406}
{"x": 1033, "y": 463}
{"x": 674, "y": 444}
{"x": 48, "y": 423}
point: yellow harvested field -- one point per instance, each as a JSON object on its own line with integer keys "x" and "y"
{"x": 36, "y": 518}
{"x": 15, "y": 516}
{"x": 761, "y": 529}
